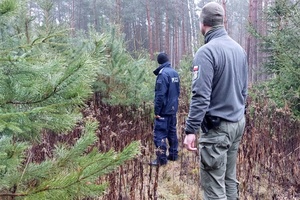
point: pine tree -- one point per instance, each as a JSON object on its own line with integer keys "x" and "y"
{"x": 124, "y": 80}
{"x": 45, "y": 79}
{"x": 282, "y": 47}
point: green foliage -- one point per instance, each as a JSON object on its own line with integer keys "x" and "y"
{"x": 45, "y": 78}
{"x": 11, "y": 155}
{"x": 185, "y": 73}
{"x": 124, "y": 80}
{"x": 71, "y": 174}
{"x": 282, "y": 47}
{"x": 7, "y": 6}
{"x": 40, "y": 84}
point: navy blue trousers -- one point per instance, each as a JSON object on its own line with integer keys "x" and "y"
{"x": 165, "y": 135}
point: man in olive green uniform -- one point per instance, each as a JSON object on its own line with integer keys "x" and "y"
{"x": 217, "y": 106}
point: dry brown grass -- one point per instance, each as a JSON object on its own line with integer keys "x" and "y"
{"x": 268, "y": 163}
{"x": 180, "y": 180}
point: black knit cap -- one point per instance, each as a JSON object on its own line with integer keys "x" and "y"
{"x": 162, "y": 58}
{"x": 212, "y": 14}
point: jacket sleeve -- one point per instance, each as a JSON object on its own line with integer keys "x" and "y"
{"x": 161, "y": 88}
{"x": 201, "y": 91}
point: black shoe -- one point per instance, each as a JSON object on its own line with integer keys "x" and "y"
{"x": 172, "y": 158}
{"x": 156, "y": 163}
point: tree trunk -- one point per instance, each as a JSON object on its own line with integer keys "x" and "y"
{"x": 191, "y": 27}
{"x": 255, "y": 47}
{"x": 59, "y": 10}
{"x": 167, "y": 34}
{"x": 252, "y": 46}
{"x": 260, "y": 26}
{"x": 73, "y": 18}
{"x": 95, "y": 14}
{"x": 183, "y": 45}
{"x": 225, "y": 14}
{"x": 149, "y": 30}
{"x": 118, "y": 12}
{"x": 176, "y": 34}
{"x": 156, "y": 28}
{"x": 249, "y": 41}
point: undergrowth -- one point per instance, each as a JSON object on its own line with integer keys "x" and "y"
{"x": 267, "y": 162}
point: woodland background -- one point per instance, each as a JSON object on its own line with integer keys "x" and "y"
{"x": 76, "y": 92}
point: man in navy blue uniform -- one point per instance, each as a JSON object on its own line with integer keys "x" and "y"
{"x": 167, "y": 90}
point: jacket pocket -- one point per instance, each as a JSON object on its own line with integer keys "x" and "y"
{"x": 213, "y": 152}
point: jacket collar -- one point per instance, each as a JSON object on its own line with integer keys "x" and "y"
{"x": 157, "y": 70}
{"x": 215, "y": 32}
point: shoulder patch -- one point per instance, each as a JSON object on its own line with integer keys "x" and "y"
{"x": 195, "y": 72}
{"x": 175, "y": 80}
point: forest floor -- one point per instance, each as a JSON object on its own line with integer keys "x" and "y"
{"x": 180, "y": 180}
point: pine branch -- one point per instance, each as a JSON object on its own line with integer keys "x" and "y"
{"x": 12, "y": 195}
{"x": 51, "y": 94}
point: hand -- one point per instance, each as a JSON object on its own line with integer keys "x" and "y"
{"x": 189, "y": 142}
{"x": 157, "y": 116}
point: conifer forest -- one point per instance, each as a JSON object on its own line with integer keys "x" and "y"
{"x": 77, "y": 90}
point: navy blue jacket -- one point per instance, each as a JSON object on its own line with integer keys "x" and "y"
{"x": 167, "y": 90}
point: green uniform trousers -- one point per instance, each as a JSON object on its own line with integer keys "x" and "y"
{"x": 218, "y": 153}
